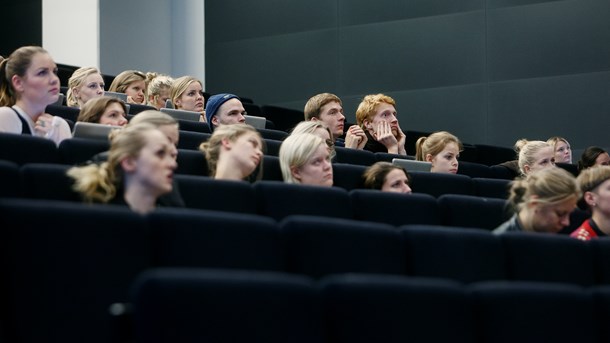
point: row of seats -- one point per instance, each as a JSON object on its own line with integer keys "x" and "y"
{"x": 64, "y": 265}
{"x": 176, "y": 305}
{"x": 277, "y": 199}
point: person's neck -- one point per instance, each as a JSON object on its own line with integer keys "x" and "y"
{"x": 602, "y": 221}
{"x": 33, "y": 110}
{"x": 525, "y": 221}
{"x": 227, "y": 170}
{"x": 139, "y": 198}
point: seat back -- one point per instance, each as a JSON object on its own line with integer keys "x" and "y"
{"x": 23, "y": 149}
{"x": 354, "y": 156}
{"x": 473, "y": 211}
{"x": 79, "y": 150}
{"x": 202, "y": 192}
{"x": 437, "y": 184}
{"x": 10, "y": 179}
{"x": 48, "y": 181}
{"x": 348, "y": 176}
{"x": 394, "y": 209}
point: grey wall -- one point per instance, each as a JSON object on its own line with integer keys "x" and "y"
{"x": 490, "y": 71}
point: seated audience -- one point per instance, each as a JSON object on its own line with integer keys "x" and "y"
{"x": 132, "y": 83}
{"x": 224, "y": 109}
{"x": 305, "y": 159}
{"x": 233, "y": 152}
{"x": 387, "y": 177}
{"x": 535, "y": 155}
{"x": 542, "y": 201}
{"x": 158, "y": 90}
{"x": 187, "y": 94}
{"x": 104, "y": 110}
{"x": 140, "y": 168}
{"x": 594, "y": 183}
{"x": 85, "y": 83}
{"x": 377, "y": 116}
{"x": 562, "y": 149}
{"x": 513, "y": 165}
{"x": 593, "y": 156}
{"x": 328, "y": 108}
{"x": 442, "y": 149}
{"x": 319, "y": 129}
{"x": 28, "y": 83}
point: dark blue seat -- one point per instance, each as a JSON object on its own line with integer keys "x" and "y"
{"x": 491, "y": 188}
{"x": 461, "y": 254}
{"x": 354, "y": 156}
{"x": 190, "y": 125}
{"x": 388, "y": 157}
{"x": 23, "y": 149}
{"x": 65, "y": 264}
{"x": 534, "y": 312}
{"x": 271, "y": 169}
{"x": 549, "y": 258}
{"x": 80, "y": 150}
{"x": 437, "y": 184}
{"x": 473, "y": 211}
{"x": 317, "y": 246}
{"x": 272, "y": 147}
{"x": 348, "y": 176}
{"x": 491, "y": 155}
{"x": 278, "y": 200}
{"x": 390, "y": 308}
{"x": 277, "y": 135}
{"x": 202, "y": 192}
{"x": 601, "y": 254}
{"x": 285, "y": 119}
{"x": 10, "y": 179}
{"x": 137, "y": 108}
{"x": 48, "y": 181}
{"x": 66, "y": 112}
{"x": 191, "y": 162}
{"x": 197, "y": 305}
{"x": 210, "y": 239}
{"x": 473, "y": 169}
{"x": 191, "y": 140}
{"x": 395, "y": 209}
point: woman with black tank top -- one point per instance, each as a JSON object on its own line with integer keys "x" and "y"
{"x": 28, "y": 83}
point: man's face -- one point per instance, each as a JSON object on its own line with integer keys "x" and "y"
{"x": 331, "y": 114}
{"x": 230, "y": 112}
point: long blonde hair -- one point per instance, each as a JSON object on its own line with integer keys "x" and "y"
{"x": 99, "y": 183}
{"x": 434, "y": 144}
{"x": 295, "y": 151}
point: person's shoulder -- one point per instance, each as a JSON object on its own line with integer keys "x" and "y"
{"x": 583, "y": 233}
{"x": 9, "y": 121}
{"x": 5, "y": 110}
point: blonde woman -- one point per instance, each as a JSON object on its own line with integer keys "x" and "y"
{"x": 85, "y": 84}
{"x": 159, "y": 89}
{"x": 535, "y": 155}
{"x": 562, "y": 149}
{"x": 139, "y": 170}
{"x": 234, "y": 152}
{"x": 317, "y": 128}
{"x": 594, "y": 183}
{"x": 187, "y": 94}
{"x": 542, "y": 202}
{"x": 132, "y": 83}
{"x": 28, "y": 83}
{"x": 305, "y": 159}
{"x": 442, "y": 149}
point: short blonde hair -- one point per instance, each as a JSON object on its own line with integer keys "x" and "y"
{"x": 311, "y": 127}
{"x": 295, "y": 151}
{"x": 316, "y": 102}
{"x": 156, "y": 83}
{"x": 434, "y": 144}
{"x": 548, "y": 186}
{"x": 77, "y": 80}
{"x": 366, "y": 108}
{"x": 211, "y": 148}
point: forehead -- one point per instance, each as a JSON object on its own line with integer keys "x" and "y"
{"x": 113, "y": 106}
{"x": 395, "y": 174}
{"x": 231, "y": 105}
{"x": 384, "y": 107}
{"x": 331, "y": 105}
{"x": 156, "y": 138}
{"x": 546, "y": 152}
{"x": 41, "y": 59}
{"x": 94, "y": 77}
{"x": 193, "y": 85}
{"x": 451, "y": 147}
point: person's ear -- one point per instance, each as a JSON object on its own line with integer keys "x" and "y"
{"x": 526, "y": 168}
{"x": 128, "y": 164}
{"x": 17, "y": 82}
{"x": 429, "y": 158}
{"x": 296, "y": 173}
{"x": 590, "y": 198}
{"x": 178, "y": 103}
{"x": 314, "y": 119}
{"x": 214, "y": 121}
{"x": 226, "y": 143}
{"x": 367, "y": 124}
{"x": 76, "y": 92}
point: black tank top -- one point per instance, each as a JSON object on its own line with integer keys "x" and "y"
{"x": 25, "y": 127}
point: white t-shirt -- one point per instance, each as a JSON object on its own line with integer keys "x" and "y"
{"x": 9, "y": 122}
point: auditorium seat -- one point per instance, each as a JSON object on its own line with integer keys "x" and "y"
{"x": 393, "y": 208}
{"x": 318, "y": 246}
{"x": 189, "y": 125}
{"x": 460, "y": 254}
{"x": 388, "y": 157}
{"x": 137, "y": 108}
{"x": 66, "y": 112}
{"x": 198, "y": 305}
{"x": 491, "y": 188}
{"x": 437, "y": 184}
{"x": 191, "y": 162}
{"x": 491, "y": 155}
{"x": 473, "y": 169}
{"x": 601, "y": 254}
{"x": 80, "y": 150}
{"x": 354, "y": 156}
{"x": 271, "y": 169}
{"x": 272, "y": 147}
{"x": 191, "y": 140}
{"x": 10, "y": 179}
{"x": 23, "y": 149}
{"x": 534, "y": 312}
{"x": 571, "y": 168}
{"x": 277, "y": 135}
{"x": 203, "y": 192}
{"x": 503, "y": 172}
{"x": 47, "y": 181}
{"x": 65, "y": 264}
{"x": 285, "y": 119}
{"x": 278, "y": 200}
{"x": 348, "y": 176}
{"x": 211, "y": 239}
{"x": 548, "y": 258}
{"x": 473, "y": 211}
{"x": 388, "y": 308}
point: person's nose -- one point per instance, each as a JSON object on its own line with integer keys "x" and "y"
{"x": 406, "y": 188}
{"x": 565, "y": 221}
{"x": 242, "y": 119}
